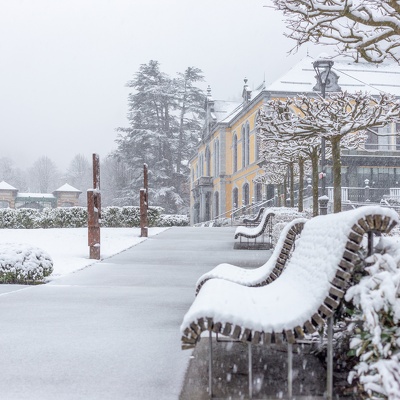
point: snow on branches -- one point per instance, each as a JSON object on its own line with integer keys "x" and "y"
{"x": 376, "y": 329}
{"x": 369, "y": 29}
{"x": 333, "y": 118}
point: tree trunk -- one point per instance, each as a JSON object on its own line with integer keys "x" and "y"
{"x": 284, "y": 190}
{"x": 314, "y": 166}
{"x": 181, "y": 126}
{"x": 337, "y": 174}
{"x": 291, "y": 171}
{"x": 301, "y": 183}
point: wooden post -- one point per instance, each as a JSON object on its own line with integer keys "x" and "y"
{"x": 146, "y": 184}
{"x": 143, "y": 214}
{"x": 144, "y": 203}
{"x": 94, "y": 211}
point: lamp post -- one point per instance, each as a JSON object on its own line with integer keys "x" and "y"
{"x": 323, "y": 67}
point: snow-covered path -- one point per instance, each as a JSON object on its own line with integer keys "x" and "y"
{"x": 111, "y": 330}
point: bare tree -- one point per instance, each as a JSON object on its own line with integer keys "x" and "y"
{"x": 79, "y": 175}
{"x": 278, "y": 122}
{"x": 369, "y": 29}
{"x": 334, "y": 118}
{"x": 12, "y": 175}
{"x": 44, "y": 175}
{"x": 280, "y": 158}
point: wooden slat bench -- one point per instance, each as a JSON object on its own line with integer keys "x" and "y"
{"x": 268, "y": 272}
{"x": 257, "y": 232}
{"x": 301, "y": 300}
{"x": 256, "y": 220}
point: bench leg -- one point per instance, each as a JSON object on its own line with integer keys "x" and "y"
{"x": 250, "y": 372}
{"x": 370, "y": 243}
{"x": 290, "y": 369}
{"x": 210, "y": 360}
{"x": 329, "y": 371}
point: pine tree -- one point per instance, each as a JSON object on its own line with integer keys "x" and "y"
{"x": 163, "y": 115}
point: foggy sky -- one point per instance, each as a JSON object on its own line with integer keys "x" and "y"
{"x": 64, "y": 64}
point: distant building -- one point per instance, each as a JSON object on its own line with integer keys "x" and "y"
{"x": 65, "y": 196}
{"x": 225, "y": 167}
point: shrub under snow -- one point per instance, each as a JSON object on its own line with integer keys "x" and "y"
{"x": 166, "y": 220}
{"x": 284, "y": 215}
{"x": 76, "y": 217}
{"x": 21, "y": 263}
{"x": 376, "y": 325}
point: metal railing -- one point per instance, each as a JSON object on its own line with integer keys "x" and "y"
{"x": 356, "y": 196}
{"x": 245, "y": 209}
{"x": 366, "y": 194}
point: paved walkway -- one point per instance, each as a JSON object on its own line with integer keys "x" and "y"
{"x": 111, "y": 331}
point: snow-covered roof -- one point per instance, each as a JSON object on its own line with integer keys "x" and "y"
{"x": 67, "y": 188}
{"x": 224, "y": 111}
{"x": 353, "y": 77}
{"x": 35, "y": 195}
{"x": 5, "y": 186}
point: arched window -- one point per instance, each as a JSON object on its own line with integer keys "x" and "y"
{"x": 245, "y": 145}
{"x": 216, "y": 158}
{"x": 216, "y": 204}
{"x": 246, "y": 194}
{"x": 208, "y": 162}
{"x": 201, "y": 165}
{"x": 235, "y": 198}
{"x": 234, "y": 153}
{"x": 256, "y": 146}
{"x": 247, "y": 149}
{"x": 258, "y": 192}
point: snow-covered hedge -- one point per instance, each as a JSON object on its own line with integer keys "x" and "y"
{"x": 21, "y": 263}
{"x": 76, "y": 217}
{"x": 172, "y": 220}
{"x": 283, "y": 215}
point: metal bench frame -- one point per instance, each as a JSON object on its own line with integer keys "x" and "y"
{"x": 264, "y": 228}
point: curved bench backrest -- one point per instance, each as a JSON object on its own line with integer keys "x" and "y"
{"x": 258, "y": 230}
{"x": 256, "y": 218}
{"x": 307, "y": 292}
{"x": 324, "y": 257}
{"x": 283, "y": 249}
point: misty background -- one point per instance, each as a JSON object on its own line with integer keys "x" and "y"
{"x": 65, "y": 64}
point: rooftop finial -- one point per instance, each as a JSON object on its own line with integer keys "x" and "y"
{"x": 246, "y": 94}
{"x": 208, "y": 91}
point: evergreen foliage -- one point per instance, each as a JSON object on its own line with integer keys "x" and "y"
{"x": 165, "y": 119}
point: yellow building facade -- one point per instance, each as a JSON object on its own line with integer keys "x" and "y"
{"x": 225, "y": 168}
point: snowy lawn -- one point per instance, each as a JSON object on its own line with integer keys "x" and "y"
{"x": 69, "y": 248}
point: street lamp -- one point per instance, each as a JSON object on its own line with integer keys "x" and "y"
{"x": 323, "y": 67}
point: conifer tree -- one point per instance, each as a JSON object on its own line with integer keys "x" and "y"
{"x": 165, "y": 119}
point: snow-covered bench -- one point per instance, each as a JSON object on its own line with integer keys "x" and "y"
{"x": 254, "y": 233}
{"x": 303, "y": 298}
{"x": 268, "y": 272}
{"x": 254, "y": 221}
